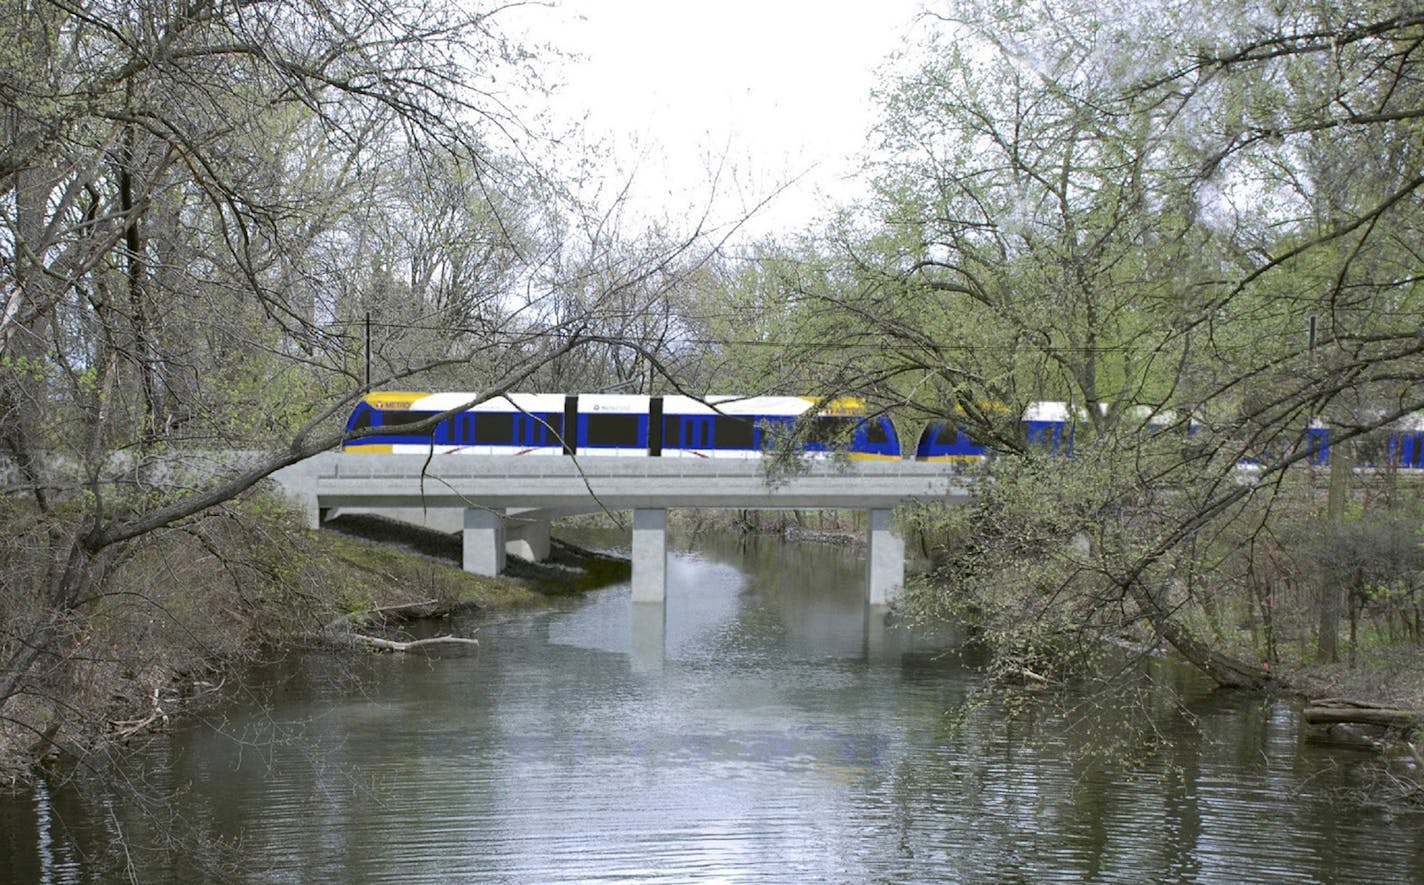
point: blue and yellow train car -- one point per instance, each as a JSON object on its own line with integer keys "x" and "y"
{"x": 616, "y": 424}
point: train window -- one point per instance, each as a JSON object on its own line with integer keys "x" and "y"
{"x": 363, "y": 420}
{"x": 463, "y": 429}
{"x": 494, "y": 428}
{"x": 402, "y": 418}
{"x": 549, "y": 429}
{"x": 613, "y": 430}
{"x": 733, "y": 433}
{"x": 875, "y": 433}
{"x": 672, "y": 431}
{"x": 948, "y": 435}
{"x": 827, "y": 430}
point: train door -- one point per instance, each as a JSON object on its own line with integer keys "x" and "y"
{"x": 697, "y": 433}
{"x": 1410, "y": 450}
{"x": 530, "y": 432}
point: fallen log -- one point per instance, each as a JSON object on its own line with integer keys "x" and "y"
{"x": 1029, "y": 676}
{"x": 415, "y": 644}
{"x": 1333, "y": 712}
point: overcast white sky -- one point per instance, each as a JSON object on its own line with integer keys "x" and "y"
{"x": 780, "y": 88}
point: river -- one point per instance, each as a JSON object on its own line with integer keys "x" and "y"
{"x": 758, "y": 727}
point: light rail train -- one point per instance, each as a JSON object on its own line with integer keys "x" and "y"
{"x": 1051, "y": 426}
{"x": 620, "y": 424}
{"x": 739, "y": 427}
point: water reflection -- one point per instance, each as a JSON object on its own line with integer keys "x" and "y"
{"x": 760, "y": 724}
{"x": 647, "y": 627}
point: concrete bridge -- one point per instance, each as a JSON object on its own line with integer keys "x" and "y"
{"x": 504, "y": 503}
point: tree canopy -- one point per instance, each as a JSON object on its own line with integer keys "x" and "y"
{"x": 204, "y": 205}
{"x": 1206, "y": 215}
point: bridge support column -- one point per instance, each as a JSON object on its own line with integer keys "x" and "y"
{"x": 885, "y": 567}
{"x": 528, "y": 540}
{"x": 649, "y": 555}
{"x": 483, "y": 542}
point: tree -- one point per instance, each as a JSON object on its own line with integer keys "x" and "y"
{"x": 199, "y": 205}
{"x": 1055, "y": 223}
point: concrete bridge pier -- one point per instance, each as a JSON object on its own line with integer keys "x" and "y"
{"x": 527, "y": 539}
{"x": 483, "y": 542}
{"x": 885, "y": 560}
{"x": 649, "y": 555}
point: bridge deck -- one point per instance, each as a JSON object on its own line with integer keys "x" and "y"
{"x": 356, "y": 480}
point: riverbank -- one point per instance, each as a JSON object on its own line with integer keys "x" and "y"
{"x": 183, "y": 615}
{"x": 1379, "y": 702}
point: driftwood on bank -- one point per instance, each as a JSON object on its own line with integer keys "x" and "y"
{"x": 126, "y": 728}
{"x": 415, "y": 644}
{"x": 344, "y": 627}
{"x": 1335, "y": 711}
{"x": 1032, "y": 679}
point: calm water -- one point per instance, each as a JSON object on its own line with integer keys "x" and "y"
{"x": 759, "y": 727}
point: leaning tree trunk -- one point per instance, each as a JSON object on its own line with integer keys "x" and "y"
{"x": 1225, "y": 670}
{"x": 84, "y": 568}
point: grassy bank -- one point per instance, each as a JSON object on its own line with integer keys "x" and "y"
{"x": 180, "y": 615}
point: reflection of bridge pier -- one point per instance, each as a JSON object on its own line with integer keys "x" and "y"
{"x": 505, "y": 502}
{"x": 648, "y": 638}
